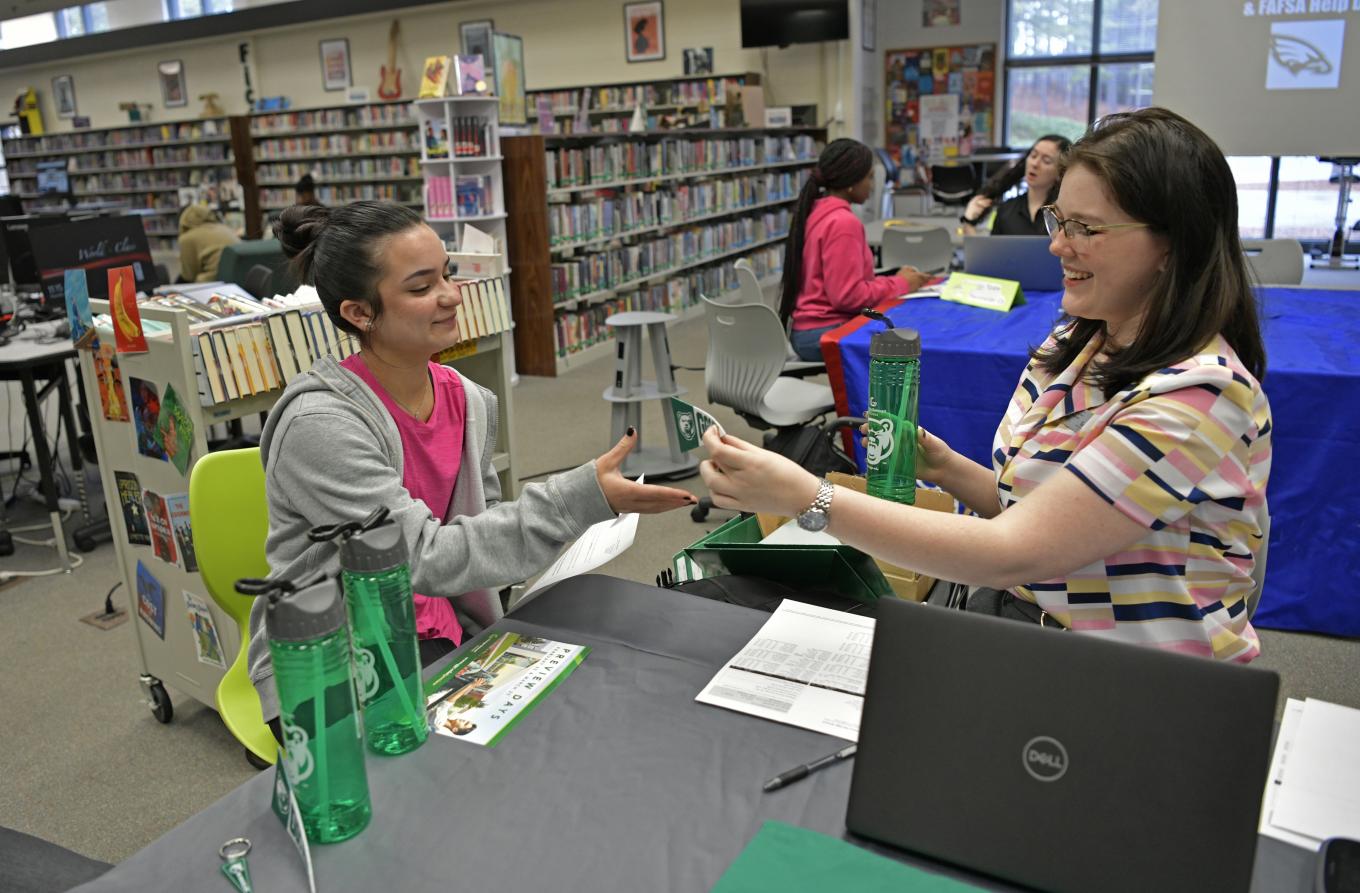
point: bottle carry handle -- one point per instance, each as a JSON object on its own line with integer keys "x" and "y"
{"x": 874, "y": 314}
{"x": 346, "y": 529}
{"x": 278, "y": 587}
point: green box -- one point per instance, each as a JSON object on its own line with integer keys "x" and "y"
{"x": 735, "y": 548}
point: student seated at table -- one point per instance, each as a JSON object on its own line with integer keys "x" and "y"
{"x": 828, "y": 267}
{"x": 1019, "y": 216}
{"x": 1128, "y": 479}
{"x": 202, "y": 236}
{"x": 387, "y": 427}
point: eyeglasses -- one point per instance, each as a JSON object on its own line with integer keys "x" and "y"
{"x": 1075, "y": 229}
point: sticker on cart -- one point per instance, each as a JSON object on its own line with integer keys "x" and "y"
{"x": 206, "y": 641}
{"x": 134, "y": 512}
{"x": 150, "y": 600}
{"x": 146, "y": 413}
{"x": 158, "y": 519}
{"x": 175, "y": 430}
{"x": 177, "y": 504}
{"x": 110, "y": 378}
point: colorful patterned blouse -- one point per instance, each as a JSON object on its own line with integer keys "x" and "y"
{"x": 1186, "y": 453}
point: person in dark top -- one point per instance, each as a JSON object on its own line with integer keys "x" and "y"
{"x": 306, "y": 191}
{"x": 1019, "y": 216}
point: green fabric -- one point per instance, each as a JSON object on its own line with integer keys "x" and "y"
{"x": 794, "y": 860}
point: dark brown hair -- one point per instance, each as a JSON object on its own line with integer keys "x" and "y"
{"x": 337, "y": 250}
{"x": 842, "y": 164}
{"x": 1002, "y": 182}
{"x": 1166, "y": 172}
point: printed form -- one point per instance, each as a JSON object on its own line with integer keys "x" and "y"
{"x": 806, "y": 667}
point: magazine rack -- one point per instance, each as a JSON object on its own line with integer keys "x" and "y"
{"x": 176, "y": 650}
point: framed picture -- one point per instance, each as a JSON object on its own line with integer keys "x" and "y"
{"x": 173, "y": 91}
{"x": 644, "y": 31}
{"x": 335, "y": 73}
{"x": 64, "y": 96}
{"x": 475, "y": 39}
{"x": 868, "y": 22}
{"x": 699, "y": 61}
{"x": 508, "y": 51}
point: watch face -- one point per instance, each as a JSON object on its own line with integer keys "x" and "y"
{"x": 813, "y": 519}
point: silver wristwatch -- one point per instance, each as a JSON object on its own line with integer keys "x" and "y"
{"x": 816, "y": 516}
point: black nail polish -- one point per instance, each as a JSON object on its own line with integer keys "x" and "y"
{"x": 630, "y": 431}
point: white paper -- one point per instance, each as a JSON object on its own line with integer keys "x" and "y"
{"x": 475, "y": 241}
{"x": 806, "y": 667}
{"x": 790, "y": 534}
{"x": 600, "y": 543}
{"x": 1320, "y": 796}
{"x": 1289, "y": 726}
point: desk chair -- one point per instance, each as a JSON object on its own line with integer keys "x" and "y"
{"x": 1274, "y": 261}
{"x": 749, "y": 291}
{"x": 230, "y": 522}
{"x": 929, "y": 249}
{"x": 953, "y": 184}
{"x": 257, "y": 281}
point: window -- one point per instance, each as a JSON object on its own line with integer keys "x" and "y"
{"x": 1305, "y": 203}
{"x": 28, "y": 30}
{"x": 1252, "y": 174}
{"x": 1071, "y": 61}
{"x": 192, "y": 9}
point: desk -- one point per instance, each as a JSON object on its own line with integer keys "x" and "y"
{"x": 971, "y": 360}
{"x": 618, "y": 781}
{"x": 29, "y": 361}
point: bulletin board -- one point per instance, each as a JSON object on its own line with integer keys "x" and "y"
{"x": 968, "y": 72}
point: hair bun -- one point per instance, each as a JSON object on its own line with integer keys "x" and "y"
{"x": 299, "y": 226}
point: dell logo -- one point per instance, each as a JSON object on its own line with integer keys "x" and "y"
{"x": 1044, "y": 758}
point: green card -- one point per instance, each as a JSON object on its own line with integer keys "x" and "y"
{"x": 690, "y": 423}
{"x": 794, "y": 860}
{"x": 983, "y": 291}
{"x": 175, "y": 430}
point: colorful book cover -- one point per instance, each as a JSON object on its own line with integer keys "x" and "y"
{"x": 175, "y": 430}
{"x": 134, "y": 513}
{"x": 435, "y": 79}
{"x": 146, "y": 412}
{"x": 436, "y": 145}
{"x": 158, "y": 519}
{"x": 471, "y": 75}
{"x": 177, "y": 504}
{"x": 127, "y": 319}
{"x": 77, "y": 293}
{"x": 206, "y": 641}
{"x": 150, "y": 600}
{"x": 110, "y": 378}
{"x": 483, "y": 694}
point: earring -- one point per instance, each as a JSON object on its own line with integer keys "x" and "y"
{"x": 369, "y": 329}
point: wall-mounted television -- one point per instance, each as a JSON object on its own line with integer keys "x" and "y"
{"x": 777, "y": 23}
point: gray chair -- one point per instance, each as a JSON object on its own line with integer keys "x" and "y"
{"x": 257, "y": 281}
{"x": 1258, "y": 570}
{"x": 749, "y": 291}
{"x": 1274, "y": 261}
{"x": 746, "y": 354}
{"x": 929, "y": 249}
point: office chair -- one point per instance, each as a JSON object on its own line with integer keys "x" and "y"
{"x": 953, "y": 184}
{"x": 1274, "y": 261}
{"x": 750, "y": 292}
{"x": 1258, "y": 570}
{"x": 928, "y": 248}
{"x": 229, "y": 518}
{"x": 257, "y": 281}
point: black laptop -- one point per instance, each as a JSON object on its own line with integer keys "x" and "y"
{"x": 1057, "y": 760}
{"x": 1026, "y": 259}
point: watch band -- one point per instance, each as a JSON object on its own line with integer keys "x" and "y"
{"x": 825, "y": 490}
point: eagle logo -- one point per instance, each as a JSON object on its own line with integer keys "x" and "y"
{"x": 1297, "y": 54}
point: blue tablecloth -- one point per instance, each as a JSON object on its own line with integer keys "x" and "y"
{"x": 971, "y": 360}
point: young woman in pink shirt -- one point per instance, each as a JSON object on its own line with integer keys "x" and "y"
{"x": 828, "y": 267}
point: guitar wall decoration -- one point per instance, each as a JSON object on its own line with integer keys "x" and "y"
{"x": 389, "y": 84}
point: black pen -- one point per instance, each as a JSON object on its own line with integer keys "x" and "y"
{"x": 802, "y": 771}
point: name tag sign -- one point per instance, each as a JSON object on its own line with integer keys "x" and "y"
{"x": 983, "y": 291}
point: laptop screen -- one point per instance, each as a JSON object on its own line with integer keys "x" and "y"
{"x": 1026, "y": 259}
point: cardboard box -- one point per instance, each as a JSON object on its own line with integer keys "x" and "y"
{"x": 906, "y": 583}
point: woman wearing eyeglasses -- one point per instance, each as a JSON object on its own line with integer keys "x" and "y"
{"x": 1126, "y": 493}
{"x": 1019, "y": 216}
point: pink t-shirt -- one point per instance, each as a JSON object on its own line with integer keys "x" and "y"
{"x": 432, "y": 452}
{"x": 838, "y": 269}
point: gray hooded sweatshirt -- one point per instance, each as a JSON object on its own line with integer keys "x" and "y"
{"x": 332, "y": 453}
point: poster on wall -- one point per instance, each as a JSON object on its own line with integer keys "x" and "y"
{"x": 939, "y": 13}
{"x": 508, "y": 51}
{"x": 644, "y": 31}
{"x": 938, "y": 134}
{"x": 912, "y": 76}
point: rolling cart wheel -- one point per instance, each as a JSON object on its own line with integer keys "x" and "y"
{"x": 84, "y": 543}
{"x": 699, "y": 513}
{"x": 254, "y": 760}
{"x": 161, "y": 708}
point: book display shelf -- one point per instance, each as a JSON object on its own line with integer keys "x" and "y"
{"x": 610, "y": 223}
{"x": 608, "y": 108}
{"x": 144, "y": 167}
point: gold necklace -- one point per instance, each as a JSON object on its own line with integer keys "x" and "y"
{"x": 411, "y": 412}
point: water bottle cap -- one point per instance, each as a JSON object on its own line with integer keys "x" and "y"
{"x": 896, "y": 344}
{"x": 307, "y": 614}
{"x": 379, "y": 549}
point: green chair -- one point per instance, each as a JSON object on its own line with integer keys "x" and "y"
{"x": 230, "y": 521}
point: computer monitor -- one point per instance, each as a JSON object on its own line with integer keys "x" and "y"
{"x": 18, "y": 245}
{"x": 53, "y": 178}
{"x": 95, "y": 244}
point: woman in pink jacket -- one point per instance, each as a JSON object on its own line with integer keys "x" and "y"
{"x": 828, "y": 267}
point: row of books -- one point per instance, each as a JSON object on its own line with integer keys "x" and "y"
{"x": 576, "y": 329}
{"x": 673, "y": 155}
{"x": 337, "y": 169}
{"x": 406, "y": 193}
{"x": 460, "y": 196}
{"x": 617, "y": 266}
{"x": 172, "y": 179}
{"x": 471, "y": 138}
{"x": 712, "y": 91}
{"x": 187, "y": 131}
{"x": 608, "y": 214}
{"x": 393, "y": 115}
{"x": 146, "y": 159}
{"x": 337, "y": 144}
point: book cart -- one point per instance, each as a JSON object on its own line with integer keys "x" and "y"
{"x": 184, "y": 640}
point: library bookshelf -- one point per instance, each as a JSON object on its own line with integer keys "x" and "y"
{"x": 608, "y": 108}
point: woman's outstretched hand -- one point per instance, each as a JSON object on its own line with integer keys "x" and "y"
{"x": 624, "y": 495}
{"x": 743, "y": 476}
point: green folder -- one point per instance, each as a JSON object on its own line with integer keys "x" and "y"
{"x": 785, "y": 859}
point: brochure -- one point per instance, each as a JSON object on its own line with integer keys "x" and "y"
{"x": 482, "y": 694}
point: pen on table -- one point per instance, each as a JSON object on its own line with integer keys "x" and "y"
{"x": 802, "y": 771}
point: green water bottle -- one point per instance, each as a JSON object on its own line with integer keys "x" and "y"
{"x": 323, "y": 751}
{"x": 894, "y": 386}
{"x": 382, "y": 616}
